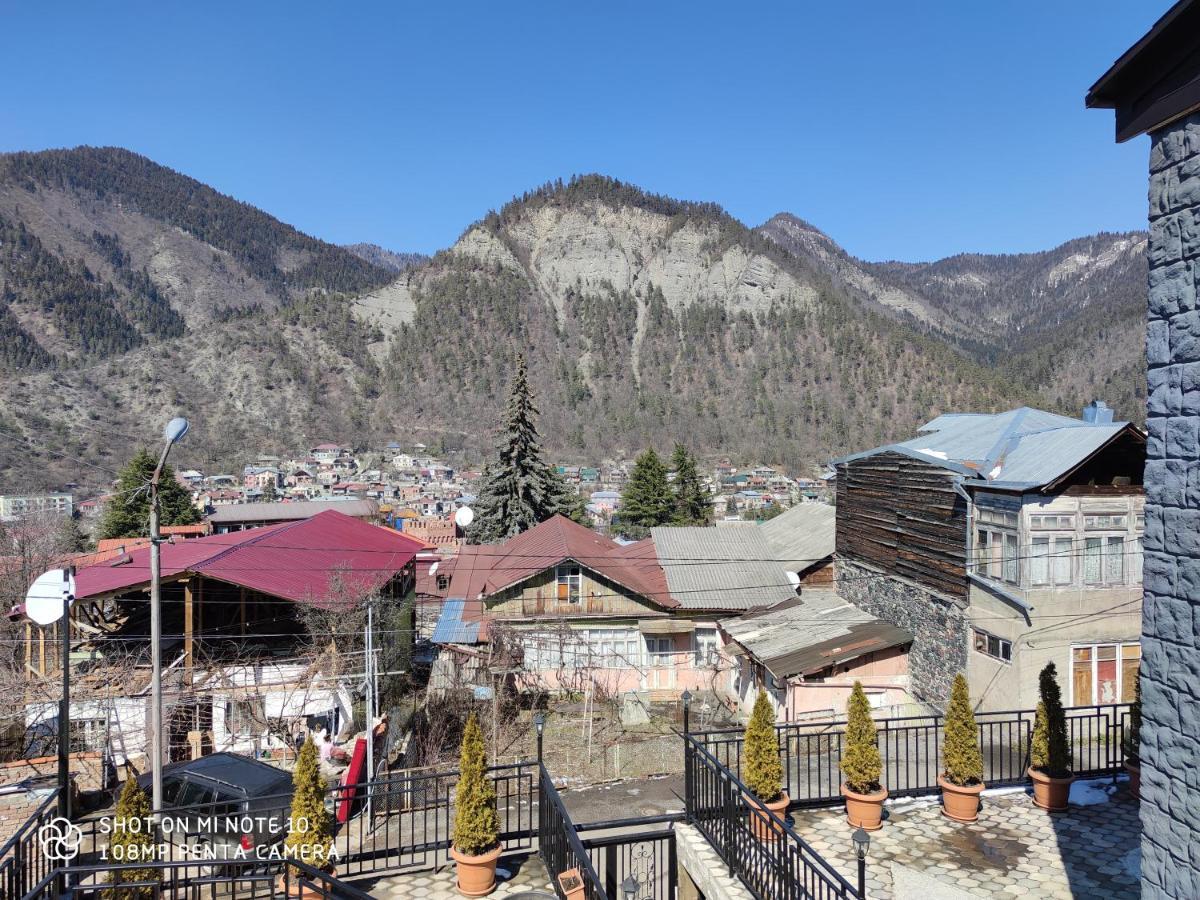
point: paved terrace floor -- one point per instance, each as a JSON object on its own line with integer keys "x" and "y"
{"x": 1014, "y": 850}
{"x": 516, "y": 874}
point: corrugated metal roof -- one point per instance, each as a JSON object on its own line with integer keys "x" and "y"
{"x": 327, "y": 560}
{"x": 720, "y": 568}
{"x": 450, "y": 627}
{"x": 484, "y": 569}
{"x": 803, "y": 535}
{"x": 1023, "y": 447}
{"x": 288, "y": 511}
{"x": 810, "y": 633}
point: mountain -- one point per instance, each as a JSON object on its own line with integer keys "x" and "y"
{"x": 387, "y": 259}
{"x": 130, "y": 293}
{"x": 1068, "y": 321}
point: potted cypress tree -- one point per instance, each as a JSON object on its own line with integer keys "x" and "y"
{"x": 1133, "y": 740}
{"x": 132, "y": 841}
{"x": 475, "y": 842}
{"x": 764, "y": 772}
{"x": 861, "y": 765}
{"x": 310, "y": 827}
{"x": 962, "y": 780}
{"x": 1050, "y": 748}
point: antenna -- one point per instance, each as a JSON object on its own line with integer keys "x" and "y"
{"x": 44, "y": 599}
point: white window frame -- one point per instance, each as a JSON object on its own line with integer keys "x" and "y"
{"x": 570, "y": 574}
{"x": 978, "y": 633}
{"x": 1094, "y": 700}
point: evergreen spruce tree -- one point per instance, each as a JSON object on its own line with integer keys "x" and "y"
{"x": 692, "y": 505}
{"x": 270, "y": 492}
{"x": 861, "y": 762}
{"x": 310, "y": 827}
{"x": 476, "y": 822}
{"x": 132, "y": 841}
{"x": 764, "y": 772}
{"x": 127, "y": 513}
{"x": 518, "y": 489}
{"x": 964, "y": 761}
{"x": 647, "y": 500}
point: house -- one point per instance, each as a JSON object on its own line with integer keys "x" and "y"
{"x": 807, "y": 652}
{"x": 231, "y": 629}
{"x": 1002, "y": 542}
{"x": 327, "y": 453}
{"x": 570, "y": 609}
{"x": 14, "y": 506}
{"x": 224, "y": 519}
{"x": 1154, "y": 89}
{"x": 803, "y": 540}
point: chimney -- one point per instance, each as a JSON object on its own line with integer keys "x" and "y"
{"x": 1097, "y": 413}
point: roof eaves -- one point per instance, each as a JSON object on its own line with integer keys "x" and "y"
{"x": 909, "y": 452}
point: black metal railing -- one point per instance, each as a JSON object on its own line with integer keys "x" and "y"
{"x": 911, "y": 747}
{"x": 759, "y": 848}
{"x": 406, "y": 825}
{"x": 177, "y": 880}
{"x": 643, "y": 860}
{"x": 558, "y": 841}
{"x": 22, "y": 862}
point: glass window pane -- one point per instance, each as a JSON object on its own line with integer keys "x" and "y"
{"x": 1082, "y": 653}
{"x": 1114, "y": 560}
{"x": 1135, "y": 561}
{"x": 1039, "y": 563}
{"x": 1081, "y": 683}
{"x": 1010, "y": 558}
{"x": 1129, "y": 671}
{"x": 1092, "y": 551}
{"x": 1062, "y": 560}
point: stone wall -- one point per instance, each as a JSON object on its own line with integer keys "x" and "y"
{"x": 936, "y": 622}
{"x": 1171, "y": 608}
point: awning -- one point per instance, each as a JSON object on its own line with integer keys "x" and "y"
{"x": 666, "y": 626}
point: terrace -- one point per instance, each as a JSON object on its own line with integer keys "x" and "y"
{"x": 394, "y": 839}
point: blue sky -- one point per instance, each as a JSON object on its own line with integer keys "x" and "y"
{"x": 908, "y": 131}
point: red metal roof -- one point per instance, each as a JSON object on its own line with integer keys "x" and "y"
{"x": 488, "y": 568}
{"x": 321, "y": 560}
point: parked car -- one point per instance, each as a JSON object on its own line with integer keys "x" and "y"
{"x": 215, "y": 804}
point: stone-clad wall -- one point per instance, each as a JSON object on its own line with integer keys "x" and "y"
{"x": 936, "y": 622}
{"x": 1171, "y": 610}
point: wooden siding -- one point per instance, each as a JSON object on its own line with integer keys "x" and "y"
{"x": 538, "y": 597}
{"x": 903, "y": 516}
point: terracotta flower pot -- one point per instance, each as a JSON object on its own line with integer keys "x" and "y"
{"x": 1050, "y": 794}
{"x": 960, "y": 803}
{"x": 571, "y": 883}
{"x": 865, "y": 811}
{"x": 1135, "y": 778}
{"x": 293, "y": 887}
{"x": 476, "y": 874}
{"x": 764, "y": 828}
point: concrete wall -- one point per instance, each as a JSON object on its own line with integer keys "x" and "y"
{"x": 1171, "y": 627}
{"x": 936, "y": 621}
{"x": 1061, "y": 619}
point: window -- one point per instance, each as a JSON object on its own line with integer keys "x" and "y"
{"x": 997, "y": 517}
{"x": 1062, "y": 560}
{"x": 1012, "y": 567}
{"x": 1135, "y": 560}
{"x": 993, "y": 646}
{"x": 570, "y": 583}
{"x": 1104, "y": 560}
{"x": 1093, "y": 552}
{"x": 1114, "y": 560}
{"x": 1039, "y": 561}
{"x": 1105, "y": 522}
{"x": 1104, "y": 673}
{"x": 706, "y": 646}
{"x": 1057, "y": 523}
{"x": 988, "y": 559}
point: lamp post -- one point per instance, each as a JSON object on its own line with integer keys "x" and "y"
{"x": 64, "y": 706}
{"x": 686, "y": 697}
{"x": 539, "y": 722}
{"x": 862, "y": 844}
{"x": 629, "y": 887}
{"x": 172, "y": 433}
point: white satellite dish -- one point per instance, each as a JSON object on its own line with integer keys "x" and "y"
{"x": 44, "y": 599}
{"x": 464, "y": 516}
{"x": 433, "y": 569}
{"x": 793, "y": 579}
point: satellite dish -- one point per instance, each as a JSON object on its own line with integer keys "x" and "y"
{"x": 175, "y": 430}
{"x": 44, "y": 599}
{"x": 793, "y": 579}
{"x": 433, "y": 569}
{"x": 464, "y": 516}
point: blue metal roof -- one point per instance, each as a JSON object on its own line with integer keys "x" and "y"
{"x": 451, "y": 629}
{"x": 1020, "y": 448}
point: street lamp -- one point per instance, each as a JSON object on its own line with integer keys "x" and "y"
{"x": 629, "y": 887}
{"x": 686, "y": 697}
{"x": 539, "y": 722}
{"x": 172, "y": 434}
{"x": 862, "y": 845}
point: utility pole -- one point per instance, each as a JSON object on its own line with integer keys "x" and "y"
{"x": 175, "y": 430}
{"x": 369, "y": 665}
{"x": 64, "y": 705}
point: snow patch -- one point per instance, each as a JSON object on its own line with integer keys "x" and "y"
{"x": 1131, "y": 863}
{"x": 1091, "y": 793}
{"x": 936, "y": 454}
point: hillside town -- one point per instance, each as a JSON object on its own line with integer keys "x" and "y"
{"x": 618, "y": 551}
